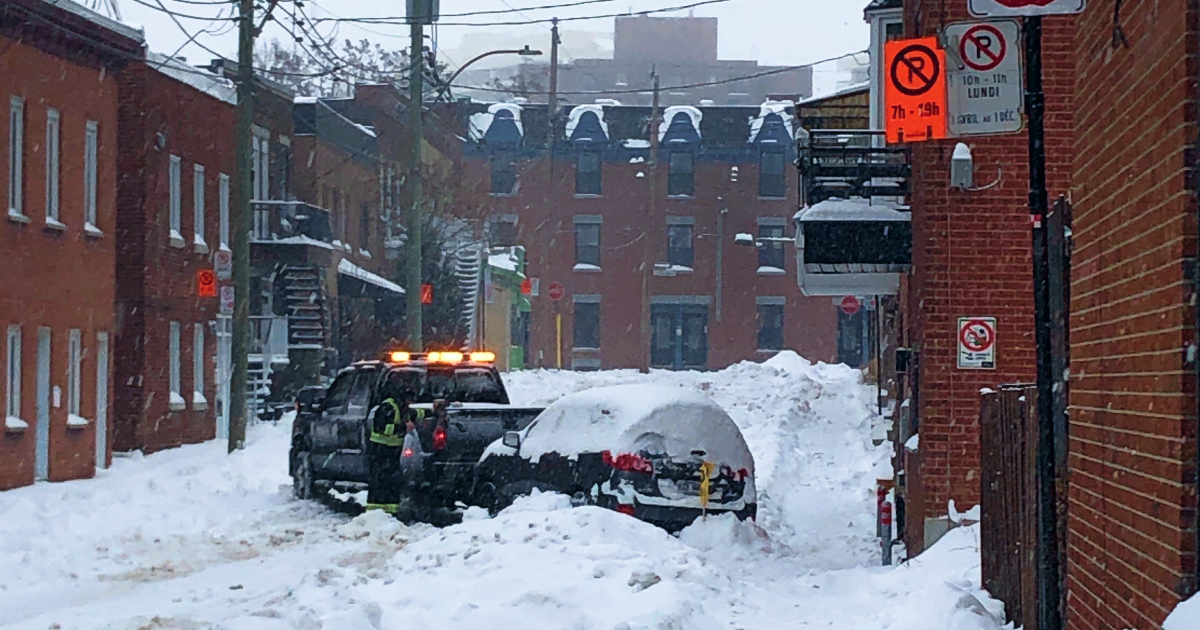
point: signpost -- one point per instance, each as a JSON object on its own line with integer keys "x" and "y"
{"x": 984, "y": 78}
{"x": 1009, "y": 8}
{"x": 915, "y": 90}
{"x": 977, "y": 343}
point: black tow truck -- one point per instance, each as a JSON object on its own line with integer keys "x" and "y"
{"x": 330, "y": 431}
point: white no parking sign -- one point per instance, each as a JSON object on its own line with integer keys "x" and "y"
{"x": 977, "y": 343}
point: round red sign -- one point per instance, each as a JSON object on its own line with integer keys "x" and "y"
{"x": 977, "y": 335}
{"x": 556, "y": 291}
{"x": 850, "y": 305}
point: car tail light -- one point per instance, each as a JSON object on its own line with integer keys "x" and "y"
{"x": 625, "y": 509}
{"x": 628, "y": 462}
{"x": 742, "y": 474}
{"x": 439, "y": 439}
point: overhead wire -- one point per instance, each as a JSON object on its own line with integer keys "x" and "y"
{"x": 403, "y": 20}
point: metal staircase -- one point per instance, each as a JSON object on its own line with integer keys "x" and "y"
{"x": 468, "y": 269}
{"x": 304, "y": 298}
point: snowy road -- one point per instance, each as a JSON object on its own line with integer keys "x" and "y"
{"x": 192, "y": 538}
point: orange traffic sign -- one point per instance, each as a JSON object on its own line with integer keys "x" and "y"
{"x": 427, "y": 293}
{"x": 915, "y": 90}
{"x": 206, "y": 283}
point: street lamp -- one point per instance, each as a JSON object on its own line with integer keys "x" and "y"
{"x": 524, "y": 52}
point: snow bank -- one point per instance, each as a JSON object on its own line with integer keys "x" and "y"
{"x": 1186, "y": 615}
{"x": 630, "y": 418}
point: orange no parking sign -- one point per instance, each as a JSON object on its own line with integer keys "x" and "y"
{"x": 915, "y": 90}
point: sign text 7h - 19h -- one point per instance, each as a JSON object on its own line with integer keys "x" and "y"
{"x": 915, "y": 90}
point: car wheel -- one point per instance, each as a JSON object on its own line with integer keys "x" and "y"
{"x": 302, "y": 480}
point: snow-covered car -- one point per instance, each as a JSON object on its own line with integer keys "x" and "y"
{"x": 664, "y": 455}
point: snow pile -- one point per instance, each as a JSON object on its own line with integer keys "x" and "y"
{"x": 1186, "y": 615}
{"x": 630, "y": 418}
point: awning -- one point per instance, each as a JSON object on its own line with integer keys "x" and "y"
{"x": 347, "y": 268}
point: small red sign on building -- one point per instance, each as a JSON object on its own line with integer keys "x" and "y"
{"x": 850, "y": 305}
{"x": 206, "y": 283}
{"x": 427, "y": 293}
{"x": 526, "y": 286}
{"x": 556, "y": 291}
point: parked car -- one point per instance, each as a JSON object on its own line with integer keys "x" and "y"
{"x": 661, "y": 454}
{"x": 330, "y": 431}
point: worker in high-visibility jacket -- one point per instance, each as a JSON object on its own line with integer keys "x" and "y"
{"x": 394, "y": 421}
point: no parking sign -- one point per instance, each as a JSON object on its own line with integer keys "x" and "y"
{"x": 977, "y": 343}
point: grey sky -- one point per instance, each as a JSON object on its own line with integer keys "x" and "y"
{"x": 776, "y": 32}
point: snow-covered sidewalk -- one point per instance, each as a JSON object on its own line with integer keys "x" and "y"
{"x": 192, "y": 538}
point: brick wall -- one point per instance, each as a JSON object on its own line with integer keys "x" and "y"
{"x": 162, "y": 117}
{"x": 1132, "y": 512}
{"x": 57, "y": 279}
{"x": 971, "y": 258}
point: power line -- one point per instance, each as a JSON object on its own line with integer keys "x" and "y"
{"x": 747, "y": 77}
{"x": 402, "y": 20}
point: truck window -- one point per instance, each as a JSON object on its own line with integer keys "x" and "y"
{"x": 360, "y": 394}
{"x": 335, "y": 400}
{"x": 468, "y": 385}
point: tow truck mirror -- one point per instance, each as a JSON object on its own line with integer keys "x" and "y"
{"x": 512, "y": 439}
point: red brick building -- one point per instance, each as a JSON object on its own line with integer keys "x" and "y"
{"x": 176, "y": 145}
{"x": 59, "y": 75}
{"x": 971, "y": 258}
{"x": 1132, "y": 528}
{"x": 588, "y": 219}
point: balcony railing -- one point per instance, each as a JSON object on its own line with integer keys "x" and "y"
{"x": 280, "y": 220}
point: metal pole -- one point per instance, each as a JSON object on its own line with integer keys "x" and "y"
{"x": 878, "y": 320}
{"x": 239, "y": 411}
{"x": 1048, "y": 613}
{"x": 647, "y": 263}
{"x": 720, "y": 252}
{"x": 552, "y": 103}
{"x": 415, "y": 258}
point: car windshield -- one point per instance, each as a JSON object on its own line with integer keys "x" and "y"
{"x": 468, "y": 385}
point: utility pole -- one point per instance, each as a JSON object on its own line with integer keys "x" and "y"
{"x": 551, "y": 143}
{"x": 238, "y": 409}
{"x": 414, "y": 259}
{"x": 552, "y": 103}
{"x": 651, "y": 218}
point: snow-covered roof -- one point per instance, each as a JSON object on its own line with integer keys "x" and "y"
{"x": 100, "y": 19}
{"x": 481, "y": 123}
{"x": 213, "y": 85}
{"x": 770, "y": 108}
{"x": 506, "y": 259}
{"x": 630, "y": 418}
{"x": 856, "y": 209}
{"x": 354, "y": 271}
{"x": 849, "y": 89}
{"x": 576, "y": 115}
{"x": 669, "y": 117}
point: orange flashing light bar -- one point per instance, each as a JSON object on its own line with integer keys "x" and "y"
{"x": 483, "y": 357}
{"x": 400, "y": 357}
{"x": 445, "y": 357}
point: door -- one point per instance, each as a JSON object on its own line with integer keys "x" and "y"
{"x": 679, "y": 339}
{"x": 224, "y": 373}
{"x": 102, "y": 400}
{"x": 41, "y": 460}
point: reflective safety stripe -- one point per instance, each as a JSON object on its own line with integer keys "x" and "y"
{"x": 390, "y": 508}
{"x": 389, "y": 437}
{"x": 706, "y": 469}
{"x": 386, "y": 440}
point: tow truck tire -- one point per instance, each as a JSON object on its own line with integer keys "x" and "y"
{"x": 302, "y": 479}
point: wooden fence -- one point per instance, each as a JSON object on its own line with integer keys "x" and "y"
{"x": 1008, "y": 466}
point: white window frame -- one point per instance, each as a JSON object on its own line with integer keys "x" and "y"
{"x": 74, "y": 374}
{"x": 223, "y": 209}
{"x": 198, "y": 399}
{"x": 176, "y": 401}
{"x": 91, "y": 158}
{"x": 175, "y": 204}
{"x": 12, "y": 368}
{"x": 198, "y": 241}
{"x": 16, "y": 158}
{"x": 53, "y": 172}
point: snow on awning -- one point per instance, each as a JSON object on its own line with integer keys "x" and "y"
{"x": 215, "y": 86}
{"x": 853, "y": 210}
{"x": 347, "y": 268}
{"x": 778, "y": 112}
{"x": 595, "y": 130}
{"x": 507, "y": 117}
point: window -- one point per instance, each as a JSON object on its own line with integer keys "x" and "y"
{"x": 679, "y": 246}
{"x": 504, "y": 174}
{"x": 681, "y": 179}
{"x": 770, "y": 324}
{"x": 893, "y": 31}
{"x": 588, "y": 174}
{"x": 223, "y": 208}
{"x": 53, "y": 139}
{"x": 770, "y": 254}
{"x": 16, "y": 156}
{"x": 587, "y": 243}
{"x": 177, "y": 401}
{"x": 364, "y": 225}
{"x": 175, "y": 209}
{"x": 198, "y": 207}
{"x": 335, "y": 400}
{"x": 360, "y": 396}
{"x": 74, "y": 372}
{"x": 260, "y": 164}
{"x": 12, "y": 387}
{"x": 771, "y": 182}
{"x": 90, "y": 156}
{"x": 587, "y": 322}
{"x": 198, "y": 399}
{"x": 503, "y": 231}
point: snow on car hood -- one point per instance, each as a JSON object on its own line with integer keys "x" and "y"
{"x": 630, "y": 418}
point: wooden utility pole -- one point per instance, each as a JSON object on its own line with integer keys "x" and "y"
{"x": 651, "y": 218}
{"x": 415, "y": 258}
{"x": 239, "y": 411}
